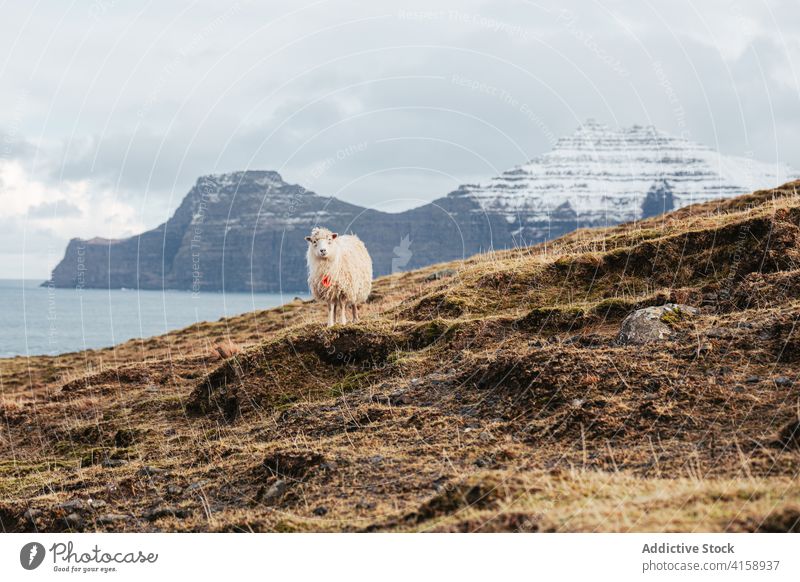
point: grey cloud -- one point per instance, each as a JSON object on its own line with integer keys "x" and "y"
{"x": 58, "y": 209}
{"x": 451, "y": 91}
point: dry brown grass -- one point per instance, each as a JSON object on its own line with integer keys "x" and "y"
{"x": 492, "y": 399}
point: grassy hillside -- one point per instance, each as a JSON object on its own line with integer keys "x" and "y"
{"x": 489, "y": 394}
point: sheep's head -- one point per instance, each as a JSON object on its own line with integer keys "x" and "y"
{"x": 322, "y": 243}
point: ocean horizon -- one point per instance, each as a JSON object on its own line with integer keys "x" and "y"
{"x": 45, "y": 320}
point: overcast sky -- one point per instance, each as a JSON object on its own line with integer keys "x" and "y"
{"x": 110, "y": 109}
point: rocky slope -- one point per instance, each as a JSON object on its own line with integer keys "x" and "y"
{"x": 244, "y": 231}
{"x": 506, "y": 392}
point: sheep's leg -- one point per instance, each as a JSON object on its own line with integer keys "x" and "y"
{"x": 355, "y": 311}
{"x": 342, "y": 312}
{"x": 331, "y": 313}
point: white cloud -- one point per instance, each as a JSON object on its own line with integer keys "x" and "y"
{"x": 39, "y": 217}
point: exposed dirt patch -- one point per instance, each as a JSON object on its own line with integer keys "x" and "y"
{"x": 453, "y": 499}
{"x": 292, "y": 465}
{"x": 783, "y": 520}
{"x": 789, "y": 436}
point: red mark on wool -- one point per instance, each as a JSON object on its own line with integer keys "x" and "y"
{"x": 326, "y": 281}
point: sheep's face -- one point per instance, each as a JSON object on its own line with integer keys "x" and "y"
{"x": 322, "y": 243}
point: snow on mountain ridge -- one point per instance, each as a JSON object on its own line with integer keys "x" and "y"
{"x": 603, "y": 176}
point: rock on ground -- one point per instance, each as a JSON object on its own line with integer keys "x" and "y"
{"x": 652, "y": 324}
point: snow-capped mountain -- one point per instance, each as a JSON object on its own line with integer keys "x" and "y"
{"x": 244, "y": 230}
{"x": 603, "y": 176}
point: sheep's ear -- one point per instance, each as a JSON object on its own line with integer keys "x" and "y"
{"x": 334, "y": 234}
{"x": 308, "y": 238}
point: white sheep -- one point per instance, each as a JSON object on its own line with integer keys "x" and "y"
{"x": 339, "y": 272}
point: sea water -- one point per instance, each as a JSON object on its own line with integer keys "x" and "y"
{"x": 37, "y": 320}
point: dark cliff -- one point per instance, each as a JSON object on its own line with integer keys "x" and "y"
{"x": 244, "y": 231}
